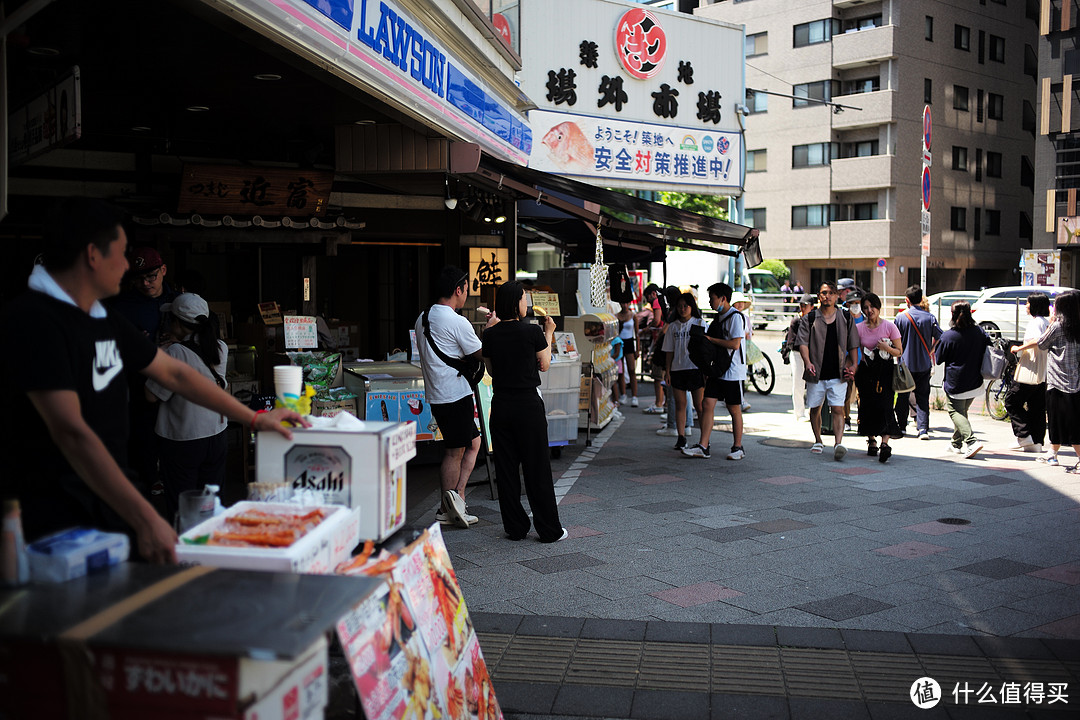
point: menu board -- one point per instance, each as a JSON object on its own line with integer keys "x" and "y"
{"x": 411, "y": 647}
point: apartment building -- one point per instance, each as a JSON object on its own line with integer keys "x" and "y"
{"x": 835, "y": 146}
{"x": 1057, "y": 147}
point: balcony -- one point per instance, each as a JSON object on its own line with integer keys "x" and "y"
{"x": 858, "y": 48}
{"x": 876, "y": 109}
{"x": 861, "y": 238}
{"x": 862, "y": 173}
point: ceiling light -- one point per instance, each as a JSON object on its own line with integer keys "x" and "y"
{"x": 267, "y": 76}
{"x": 198, "y": 108}
{"x": 140, "y": 128}
{"x": 500, "y": 218}
{"x": 364, "y": 122}
{"x": 449, "y": 202}
{"x": 43, "y": 51}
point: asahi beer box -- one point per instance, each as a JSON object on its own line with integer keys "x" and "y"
{"x": 362, "y": 468}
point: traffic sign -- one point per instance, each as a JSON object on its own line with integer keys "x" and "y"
{"x": 924, "y": 228}
{"x": 926, "y": 188}
{"x": 927, "y": 127}
{"x": 881, "y": 263}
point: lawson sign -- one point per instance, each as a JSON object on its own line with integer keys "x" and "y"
{"x": 381, "y": 43}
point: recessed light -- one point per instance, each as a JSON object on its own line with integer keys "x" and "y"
{"x": 42, "y": 50}
{"x": 267, "y": 76}
{"x": 198, "y": 108}
{"x": 140, "y": 128}
{"x": 364, "y": 122}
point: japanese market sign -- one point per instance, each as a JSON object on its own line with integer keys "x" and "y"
{"x": 632, "y": 152}
{"x": 549, "y": 301}
{"x": 52, "y": 119}
{"x": 488, "y": 267}
{"x": 633, "y": 69}
{"x": 245, "y": 190}
{"x": 301, "y": 331}
{"x": 392, "y": 52}
{"x": 411, "y": 647}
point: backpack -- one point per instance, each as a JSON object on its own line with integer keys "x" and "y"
{"x": 714, "y": 360}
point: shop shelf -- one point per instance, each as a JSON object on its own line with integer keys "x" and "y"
{"x": 562, "y": 428}
{"x": 561, "y": 400}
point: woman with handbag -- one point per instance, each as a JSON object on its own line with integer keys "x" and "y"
{"x": 961, "y": 351}
{"x": 1026, "y": 398}
{"x": 515, "y": 354}
{"x": 880, "y": 341}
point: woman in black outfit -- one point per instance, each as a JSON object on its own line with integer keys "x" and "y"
{"x": 516, "y": 353}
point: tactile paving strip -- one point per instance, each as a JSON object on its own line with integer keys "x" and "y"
{"x": 747, "y": 670}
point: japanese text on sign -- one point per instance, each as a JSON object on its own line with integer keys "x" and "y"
{"x": 301, "y": 332}
{"x": 488, "y": 267}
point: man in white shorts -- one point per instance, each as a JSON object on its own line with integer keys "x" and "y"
{"x": 828, "y": 343}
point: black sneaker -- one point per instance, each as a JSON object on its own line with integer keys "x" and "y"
{"x": 704, "y": 450}
{"x": 680, "y": 443}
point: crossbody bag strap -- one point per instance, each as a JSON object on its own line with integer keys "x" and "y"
{"x": 916, "y": 329}
{"x": 190, "y": 345}
{"x": 455, "y": 363}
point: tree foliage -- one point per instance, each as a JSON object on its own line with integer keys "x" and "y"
{"x": 714, "y": 206}
{"x": 777, "y": 268}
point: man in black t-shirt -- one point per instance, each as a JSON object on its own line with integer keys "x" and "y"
{"x": 65, "y": 436}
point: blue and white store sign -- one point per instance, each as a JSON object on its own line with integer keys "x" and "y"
{"x": 633, "y": 97}
{"x": 382, "y": 44}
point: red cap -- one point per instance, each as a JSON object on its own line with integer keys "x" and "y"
{"x": 144, "y": 260}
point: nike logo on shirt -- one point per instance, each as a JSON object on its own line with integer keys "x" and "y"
{"x": 107, "y": 363}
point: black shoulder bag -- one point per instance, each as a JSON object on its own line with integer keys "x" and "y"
{"x": 468, "y": 368}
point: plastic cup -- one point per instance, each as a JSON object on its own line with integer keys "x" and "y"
{"x": 288, "y": 381}
{"x": 194, "y": 507}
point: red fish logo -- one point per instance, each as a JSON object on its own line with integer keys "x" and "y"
{"x": 640, "y": 43}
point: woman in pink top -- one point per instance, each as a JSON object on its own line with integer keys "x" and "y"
{"x": 880, "y": 340}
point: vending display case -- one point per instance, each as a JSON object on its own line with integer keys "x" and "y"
{"x": 392, "y": 392}
{"x": 595, "y": 331}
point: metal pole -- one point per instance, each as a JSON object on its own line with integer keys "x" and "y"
{"x": 922, "y": 272}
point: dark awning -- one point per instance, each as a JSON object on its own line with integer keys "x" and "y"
{"x": 678, "y": 228}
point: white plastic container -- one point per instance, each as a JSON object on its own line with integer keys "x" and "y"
{"x": 318, "y": 552}
{"x": 75, "y": 552}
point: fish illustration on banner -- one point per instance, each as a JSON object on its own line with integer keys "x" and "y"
{"x": 568, "y": 147}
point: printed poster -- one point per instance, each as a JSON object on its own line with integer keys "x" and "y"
{"x": 411, "y": 647}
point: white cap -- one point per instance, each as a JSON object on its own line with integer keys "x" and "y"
{"x": 189, "y": 307}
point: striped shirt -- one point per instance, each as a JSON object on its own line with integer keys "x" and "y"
{"x": 1062, "y": 359}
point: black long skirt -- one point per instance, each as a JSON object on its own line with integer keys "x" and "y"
{"x": 873, "y": 379}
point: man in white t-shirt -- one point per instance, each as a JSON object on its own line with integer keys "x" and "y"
{"x": 726, "y": 332}
{"x": 448, "y": 393}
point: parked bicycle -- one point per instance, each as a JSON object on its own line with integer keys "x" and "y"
{"x": 997, "y": 389}
{"x": 759, "y": 369}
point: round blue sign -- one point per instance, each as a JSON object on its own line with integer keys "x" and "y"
{"x": 926, "y": 188}
{"x": 707, "y": 143}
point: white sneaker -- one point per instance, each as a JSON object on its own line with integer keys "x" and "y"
{"x": 1050, "y": 459}
{"x": 1023, "y": 443}
{"x": 694, "y": 452}
{"x": 455, "y": 507}
{"x": 746, "y": 406}
{"x": 667, "y": 432}
{"x": 623, "y": 400}
{"x": 1035, "y": 448}
{"x": 736, "y": 454}
{"x": 972, "y": 448}
{"x": 633, "y": 401}
{"x": 838, "y": 452}
{"x": 444, "y": 518}
{"x": 924, "y": 436}
{"x": 956, "y": 450}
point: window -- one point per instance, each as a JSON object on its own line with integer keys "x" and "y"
{"x": 927, "y": 90}
{"x": 757, "y": 44}
{"x": 959, "y": 158}
{"x": 821, "y": 90}
{"x": 929, "y": 32}
{"x": 978, "y": 164}
{"x": 958, "y": 218}
{"x": 812, "y": 33}
{"x": 811, "y": 155}
{"x": 962, "y": 38}
{"x": 803, "y": 216}
{"x": 979, "y": 105}
{"x": 860, "y": 211}
{"x": 755, "y": 161}
{"x": 757, "y": 102}
{"x": 865, "y": 148}
{"x": 996, "y": 51}
{"x": 977, "y": 229}
{"x": 754, "y": 217}
{"x": 993, "y": 164}
{"x": 993, "y": 222}
{"x": 995, "y": 106}
{"x": 960, "y": 97}
{"x": 863, "y": 85}
{"x": 863, "y": 23}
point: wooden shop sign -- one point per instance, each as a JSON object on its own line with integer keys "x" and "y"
{"x": 230, "y": 189}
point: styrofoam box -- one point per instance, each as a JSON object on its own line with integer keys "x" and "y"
{"x": 563, "y": 427}
{"x": 565, "y": 400}
{"x": 318, "y": 552}
{"x": 561, "y": 375}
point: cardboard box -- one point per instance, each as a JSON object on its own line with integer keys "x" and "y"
{"x": 362, "y": 469}
{"x": 319, "y": 552}
{"x": 408, "y": 406}
{"x": 331, "y": 408}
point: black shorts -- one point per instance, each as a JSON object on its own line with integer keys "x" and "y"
{"x": 457, "y": 421}
{"x": 629, "y": 346}
{"x": 730, "y": 392}
{"x": 687, "y": 379}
